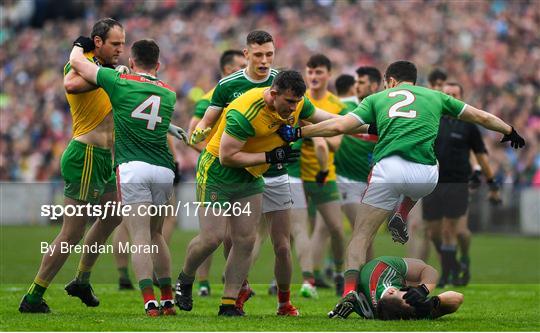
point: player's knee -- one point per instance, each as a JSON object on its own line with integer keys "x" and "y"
{"x": 211, "y": 242}
{"x": 282, "y": 249}
{"x": 71, "y": 237}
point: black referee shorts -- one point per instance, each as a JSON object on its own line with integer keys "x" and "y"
{"x": 449, "y": 200}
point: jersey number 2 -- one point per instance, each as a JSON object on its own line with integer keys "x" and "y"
{"x": 395, "y": 109}
{"x": 152, "y": 118}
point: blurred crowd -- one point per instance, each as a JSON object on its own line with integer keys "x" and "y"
{"x": 491, "y": 47}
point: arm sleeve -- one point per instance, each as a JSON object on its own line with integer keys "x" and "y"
{"x": 107, "y": 78}
{"x": 238, "y": 126}
{"x": 219, "y": 97}
{"x": 476, "y": 142}
{"x": 200, "y": 108}
{"x": 364, "y": 111}
{"x": 307, "y": 109}
{"x": 451, "y": 106}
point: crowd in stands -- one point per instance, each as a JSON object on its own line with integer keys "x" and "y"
{"x": 491, "y": 47}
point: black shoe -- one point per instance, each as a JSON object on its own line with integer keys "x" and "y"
{"x": 27, "y": 307}
{"x": 125, "y": 284}
{"x": 320, "y": 283}
{"x": 183, "y": 296}
{"x": 398, "y": 228}
{"x": 272, "y": 289}
{"x": 230, "y": 310}
{"x": 82, "y": 291}
{"x": 339, "y": 280}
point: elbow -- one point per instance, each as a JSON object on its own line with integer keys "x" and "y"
{"x": 226, "y": 161}
{"x": 70, "y": 87}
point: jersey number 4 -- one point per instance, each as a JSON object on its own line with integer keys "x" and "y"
{"x": 395, "y": 109}
{"x": 152, "y": 117}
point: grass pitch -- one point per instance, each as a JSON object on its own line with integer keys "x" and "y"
{"x": 504, "y": 294}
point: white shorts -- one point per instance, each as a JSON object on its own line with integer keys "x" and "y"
{"x": 277, "y": 194}
{"x": 393, "y": 177}
{"x": 351, "y": 190}
{"x": 140, "y": 182}
{"x": 297, "y": 193}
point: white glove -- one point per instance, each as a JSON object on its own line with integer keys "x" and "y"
{"x": 178, "y": 133}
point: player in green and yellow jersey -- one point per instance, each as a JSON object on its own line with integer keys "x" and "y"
{"x": 229, "y": 172}
{"x": 407, "y": 118}
{"x": 142, "y": 110}
{"x": 320, "y": 182}
{"x": 230, "y": 62}
{"x": 394, "y": 288}
{"x": 87, "y": 170}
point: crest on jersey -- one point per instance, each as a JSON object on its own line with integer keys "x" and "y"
{"x": 213, "y": 196}
{"x": 290, "y": 120}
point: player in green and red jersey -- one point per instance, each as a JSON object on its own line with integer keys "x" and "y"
{"x": 394, "y": 288}
{"x": 407, "y": 117}
{"x": 142, "y": 110}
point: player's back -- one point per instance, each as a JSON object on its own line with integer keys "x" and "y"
{"x": 142, "y": 107}
{"x": 407, "y": 118}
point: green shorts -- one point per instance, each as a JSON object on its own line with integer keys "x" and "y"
{"x": 216, "y": 183}
{"x": 321, "y": 194}
{"x": 87, "y": 171}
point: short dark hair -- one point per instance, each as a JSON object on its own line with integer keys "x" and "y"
{"x": 227, "y": 58}
{"x": 373, "y": 73}
{"x": 455, "y": 84}
{"x": 145, "y": 53}
{"x": 401, "y": 70}
{"x": 292, "y": 80}
{"x": 102, "y": 27}
{"x": 258, "y": 37}
{"x": 318, "y": 60}
{"x": 344, "y": 82}
{"x": 394, "y": 309}
{"x": 435, "y": 75}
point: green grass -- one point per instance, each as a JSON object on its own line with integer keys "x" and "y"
{"x": 504, "y": 294}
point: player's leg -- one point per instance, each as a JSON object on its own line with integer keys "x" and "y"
{"x": 170, "y": 222}
{"x": 120, "y": 238}
{"x": 331, "y": 215}
{"x": 419, "y": 244}
{"x": 203, "y": 272}
{"x": 319, "y": 244}
{"x": 139, "y": 232}
{"x": 243, "y": 234}
{"x": 162, "y": 265}
{"x": 464, "y": 243}
{"x": 71, "y": 233}
{"x": 280, "y": 234}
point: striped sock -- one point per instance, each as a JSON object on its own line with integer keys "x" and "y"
{"x": 351, "y": 280}
{"x": 166, "y": 289}
{"x": 36, "y": 291}
{"x": 83, "y": 274}
{"x": 147, "y": 290}
{"x": 228, "y": 300}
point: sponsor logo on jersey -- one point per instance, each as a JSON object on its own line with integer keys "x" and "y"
{"x": 237, "y": 94}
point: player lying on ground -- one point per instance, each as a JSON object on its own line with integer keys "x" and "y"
{"x": 407, "y": 117}
{"x": 393, "y": 288}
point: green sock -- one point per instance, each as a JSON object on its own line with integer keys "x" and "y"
{"x": 204, "y": 283}
{"x": 163, "y": 282}
{"x": 317, "y": 273}
{"x": 124, "y": 273}
{"x": 338, "y": 266}
{"x": 465, "y": 259}
{"x": 35, "y": 293}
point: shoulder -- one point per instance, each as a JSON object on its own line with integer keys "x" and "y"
{"x": 238, "y": 75}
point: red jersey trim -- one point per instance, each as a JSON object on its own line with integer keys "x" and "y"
{"x": 140, "y": 78}
{"x": 374, "y": 280}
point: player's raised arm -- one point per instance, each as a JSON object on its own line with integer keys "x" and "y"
{"x": 418, "y": 272}
{"x": 75, "y": 84}
{"x": 347, "y": 124}
{"x": 78, "y": 61}
{"x": 494, "y": 123}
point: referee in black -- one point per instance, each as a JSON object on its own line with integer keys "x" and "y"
{"x": 445, "y": 209}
